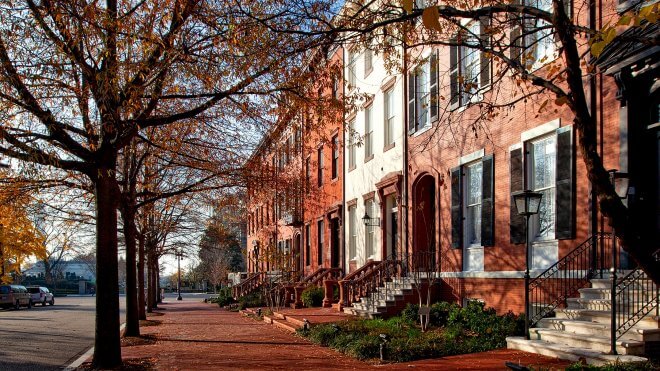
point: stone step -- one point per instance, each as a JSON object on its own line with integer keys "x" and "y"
{"x": 284, "y": 325}
{"x": 606, "y": 283}
{"x": 591, "y": 293}
{"x": 601, "y": 304}
{"x": 596, "y": 343}
{"x": 597, "y": 329}
{"x": 299, "y": 323}
{"x": 650, "y": 321}
{"x": 568, "y": 352}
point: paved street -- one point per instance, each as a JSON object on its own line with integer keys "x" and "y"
{"x": 47, "y": 338}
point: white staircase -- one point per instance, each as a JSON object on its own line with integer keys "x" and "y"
{"x": 387, "y": 300}
{"x": 582, "y": 331}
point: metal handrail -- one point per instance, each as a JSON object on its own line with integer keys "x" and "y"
{"x": 636, "y": 296}
{"x": 562, "y": 280}
{"x": 249, "y": 285}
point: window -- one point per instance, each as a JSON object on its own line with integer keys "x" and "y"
{"x": 319, "y": 154}
{"x": 351, "y": 72}
{"x": 368, "y": 135}
{"x": 542, "y": 178}
{"x": 548, "y": 161}
{"x": 423, "y": 94}
{"x": 370, "y": 235}
{"x": 335, "y": 87}
{"x": 368, "y": 61}
{"x": 308, "y": 244}
{"x": 308, "y": 175}
{"x": 533, "y": 39}
{"x": 469, "y": 67}
{"x": 351, "y": 145}
{"x": 472, "y": 211}
{"x": 335, "y": 157}
{"x": 389, "y": 117}
{"x": 473, "y": 204}
{"x": 319, "y": 242}
{"x": 352, "y": 230}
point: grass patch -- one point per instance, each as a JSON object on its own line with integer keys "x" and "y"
{"x": 454, "y": 330}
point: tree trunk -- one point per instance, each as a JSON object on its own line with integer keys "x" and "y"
{"x": 150, "y": 282}
{"x": 107, "y": 349}
{"x": 140, "y": 272}
{"x": 130, "y": 234}
{"x": 610, "y": 204}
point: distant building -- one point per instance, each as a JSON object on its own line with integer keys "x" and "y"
{"x": 69, "y": 269}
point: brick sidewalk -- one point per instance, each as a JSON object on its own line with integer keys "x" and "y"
{"x": 198, "y": 336}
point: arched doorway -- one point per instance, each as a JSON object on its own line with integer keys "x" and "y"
{"x": 424, "y": 223}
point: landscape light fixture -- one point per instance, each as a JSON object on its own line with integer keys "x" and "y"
{"x": 528, "y": 204}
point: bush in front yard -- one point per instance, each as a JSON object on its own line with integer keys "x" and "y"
{"x": 454, "y": 330}
{"x": 312, "y": 296}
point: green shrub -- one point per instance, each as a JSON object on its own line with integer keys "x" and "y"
{"x": 251, "y": 301}
{"x": 312, "y": 296}
{"x": 224, "y": 297}
{"x": 454, "y": 330}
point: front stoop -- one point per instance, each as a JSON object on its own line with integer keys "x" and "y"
{"x": 387, "y": 301}
{"x": 582, "y": 331}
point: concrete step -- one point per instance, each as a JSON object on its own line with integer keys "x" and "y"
{"x": 284, "y": 325}
{"x": 597, "y": 329}
{"x": 591, "y": 293}
{"x": 604, "y": 316}
{"x": 568, "y": 352}
{"x": 606, "y": 283}
{"x": 596, "y": 343}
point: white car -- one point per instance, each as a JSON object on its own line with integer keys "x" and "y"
{"x": 40, "y": 294}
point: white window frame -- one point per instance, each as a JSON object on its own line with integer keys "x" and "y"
{"x": 351, "y": 70}
{"x": 352, "y": 230}
{"x": 423, "y": 96}
{"x": 352, "y": 153}
{"x": 548, "y": 188}
{"x": 370, "y": 235}
{"x": 540, "y": 45}
{"x": 368, "y": 133}
{"x": 390, "y": 115}
{"x": 368, "y": 61}
{"x": 468, "y": 206}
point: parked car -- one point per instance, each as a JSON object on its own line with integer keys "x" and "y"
{"x": 14, "y": 296}
{"x": 42, "y": 295}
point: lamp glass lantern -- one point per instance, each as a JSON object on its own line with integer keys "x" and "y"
{"x": 369, "y": 221}
{"x": 527, "y": 202}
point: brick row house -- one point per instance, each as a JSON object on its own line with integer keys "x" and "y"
{"x": 413, "y": 172}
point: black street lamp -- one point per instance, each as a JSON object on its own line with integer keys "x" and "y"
{"x": 621, "y": 183}
{"x": 179, "y": 255}
{"x": 527, "y": 204}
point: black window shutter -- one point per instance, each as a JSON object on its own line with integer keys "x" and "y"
{"x": 484, "y": 77}
{"x": 487, "y": 201}
{"x": 456, "y": 209}
{"x": 453, "y": 75}
{"x": 411, "y": 102}
{"x": 565, "y": 185}
{"x": 517, "y": 224}
{"x": 434, "y": 85}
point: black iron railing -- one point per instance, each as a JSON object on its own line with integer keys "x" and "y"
{"x": 636, "y": 296}
{"x": 562, "y": 280}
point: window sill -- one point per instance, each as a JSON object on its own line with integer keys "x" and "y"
{"x": 334, "y": 180}
{"x": 367, "y": 159}
{"x": 368, "y": 72}
{"x": 421, "y": 130}
{"x": 351, "y": 168}
{"x": 389, "y": 147}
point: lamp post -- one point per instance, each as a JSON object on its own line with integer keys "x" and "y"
{"x": 179, "y": 255}
{"x": 620, "y": 181}
{"x": 527, "y": 204}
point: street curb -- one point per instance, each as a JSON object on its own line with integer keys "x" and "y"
{"x": 75, "y": 364}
